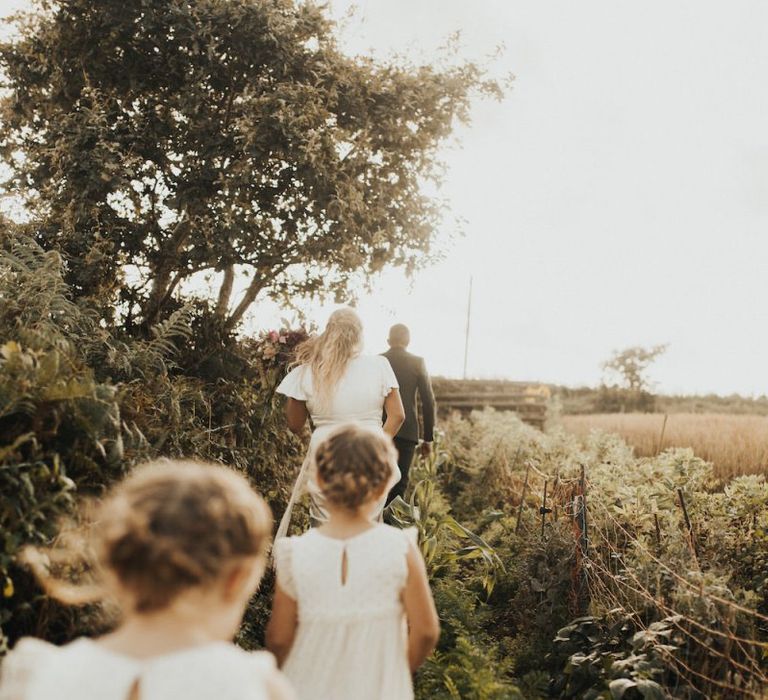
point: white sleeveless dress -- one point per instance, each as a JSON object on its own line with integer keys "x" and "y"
{"x": 84, "y": 670}
{"x": 351, "y": 641}
{"x": 358, "y": 398}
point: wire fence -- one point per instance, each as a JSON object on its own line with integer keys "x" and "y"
{"x": 720, "y": 654}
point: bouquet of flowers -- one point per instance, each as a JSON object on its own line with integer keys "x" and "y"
{"x": 276, "y": 347}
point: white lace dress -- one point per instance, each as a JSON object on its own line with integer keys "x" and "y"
{"x": 358, "y": 398}
{"x": 84, "y": 670}
{"x": 351, "y": 641}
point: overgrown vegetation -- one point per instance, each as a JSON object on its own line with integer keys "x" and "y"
{"x": 641, "y": 607}
{"x": 135, "y": 130}
{"x": 160, "y": 149}
{"x": 671, "y": 611}
{"x": 80, "y": 404}
{"x": 583, "y": 400}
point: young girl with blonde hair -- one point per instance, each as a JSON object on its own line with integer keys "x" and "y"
{"x": 334, "y": 383}
{"x": 180, "y": 547}
{"x": 353, "y": 614}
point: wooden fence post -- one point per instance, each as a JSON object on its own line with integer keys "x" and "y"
{"x": 584, "y": 534}
{"x": 544, "y": 510}
{"x": 579, "y": 582}
{"x": 522, "y": 498}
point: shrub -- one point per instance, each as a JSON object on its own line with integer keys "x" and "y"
{"x": 463, "y": 570}
{"x": 611, "y": 659}
{"x": 638, "y": 562}
{"x": 81, "y": 403}
{"x": 58, "y": 424}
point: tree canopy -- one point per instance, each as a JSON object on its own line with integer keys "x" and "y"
{"x": 630, "y": 366}
{"x": 156, "y": 140}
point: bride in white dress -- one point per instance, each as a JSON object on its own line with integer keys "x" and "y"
{"x": 332, "y": 384}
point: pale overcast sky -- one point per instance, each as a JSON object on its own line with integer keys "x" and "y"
{"x": 618, "y": 196}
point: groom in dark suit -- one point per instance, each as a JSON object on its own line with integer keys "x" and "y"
{"x": 412, "y": 376}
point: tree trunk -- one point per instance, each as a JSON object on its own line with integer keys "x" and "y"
{"x": 162, "y": 286}
{"x": 225, "y": 293}
{"x": 256, "y": 285}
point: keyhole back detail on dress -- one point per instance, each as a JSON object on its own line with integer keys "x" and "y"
{"x": 344, "y": 566}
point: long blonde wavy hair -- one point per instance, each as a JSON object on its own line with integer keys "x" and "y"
{"x": 328, "y": 354}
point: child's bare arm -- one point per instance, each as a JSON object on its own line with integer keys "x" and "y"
{"x": 281, "y": 629}
{"x": 423, "y": 622}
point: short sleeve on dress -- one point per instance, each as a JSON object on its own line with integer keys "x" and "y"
{"x": 282, "y": 553}
{"x": 411, "y": 537}
{"x": 402, "y": 541}
{"x": 293, "y": 385}
{"x": 19, "y": 666}
{"x": 388, "y": 378}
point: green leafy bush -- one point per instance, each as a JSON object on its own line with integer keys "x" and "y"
{"x": 463, "y": 568}
{"x": 638, "y": 561}
{"x": 611, "y": 659}
{"x": 80, "y": 404}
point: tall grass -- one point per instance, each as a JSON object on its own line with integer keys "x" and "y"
{"x": 735, "y": 444}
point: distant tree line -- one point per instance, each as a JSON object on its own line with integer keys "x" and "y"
{"x": 627, "y": 388}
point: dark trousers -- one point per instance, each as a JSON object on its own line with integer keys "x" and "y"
{"x": 405, "y": 452}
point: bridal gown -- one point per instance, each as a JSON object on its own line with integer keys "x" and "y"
{"x": 358, "y": 398}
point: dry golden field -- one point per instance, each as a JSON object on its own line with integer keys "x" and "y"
{"x": 735, "y": 444}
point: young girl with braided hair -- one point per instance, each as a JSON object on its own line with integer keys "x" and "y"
{"x": 180, "y": 547}
{"x": 346, "y": 589}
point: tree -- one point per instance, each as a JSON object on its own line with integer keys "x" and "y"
{"x": 631, "y": 364}
{"x": 159, "y": 140}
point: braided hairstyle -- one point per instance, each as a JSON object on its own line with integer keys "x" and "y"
{"x": 172, "y": 525}
{"x": 354, "y": 463}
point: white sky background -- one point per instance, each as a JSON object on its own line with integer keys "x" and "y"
{"x": 616, "y": 197}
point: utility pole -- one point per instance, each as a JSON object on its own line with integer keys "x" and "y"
{"x": 466, "y": 337}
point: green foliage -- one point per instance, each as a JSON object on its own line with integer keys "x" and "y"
{"x": 59, "y": 425}
{"x": 467, "y": 670}
{"x": 179, "y": 138}
{"x": 589, "y": 400}
{"x": 532, "y": 600}
{"x": 640, "y": 563}
{"x": 444, "y": 541}
{"x": 611, "y": 660}
{"x": 463, "y": 569}
{"x": 613, "y": 399}
{"x": 80, "y": 403}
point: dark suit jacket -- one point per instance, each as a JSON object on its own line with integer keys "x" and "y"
{"x": 411, "y": 373}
